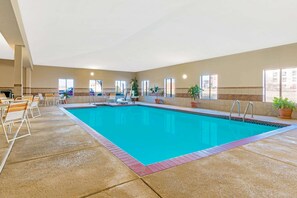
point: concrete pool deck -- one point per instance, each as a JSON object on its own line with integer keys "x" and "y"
{"x": 61, "y": 160}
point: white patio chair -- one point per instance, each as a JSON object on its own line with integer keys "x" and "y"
{"x": 124, "y": 100}
{"x": 112, "y": 98}
{"x": 34, "y": 106}
{"x": 41, "y": 99}
{"x": 62, "y": 100}
{"x": 28, "y": 98}
{"x": 49, "y": 99}
{"x": 16, "y": 112}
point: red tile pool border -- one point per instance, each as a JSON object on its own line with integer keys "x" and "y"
{"x": 143, "y": 170}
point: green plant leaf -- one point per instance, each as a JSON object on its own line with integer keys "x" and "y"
{"x": 280, "y": 103}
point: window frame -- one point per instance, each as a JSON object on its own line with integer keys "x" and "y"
{"x": 120, "y": 82}
{"x": 95, "y": 92}
{"x": 145, "y": 92}
{"x": 280, "y": 83}
{"x": 171, "y": 89}
{"x": 66, "y": 80}
{"x": 209, "y": 87}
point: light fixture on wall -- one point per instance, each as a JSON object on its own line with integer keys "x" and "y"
{"x": 92, "y": 73}
{"x": 185, "y": 76}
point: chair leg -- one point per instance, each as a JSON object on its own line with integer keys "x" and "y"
{"x": 31, "y": 111}
{"x": 17, "y": 131}
{"x": 39, "y": 114}
{"x": 10, "y": 127}
{"x": 5, "y": 132}
{"x": 28, "y": 126}
{"x": 27, "y": 118}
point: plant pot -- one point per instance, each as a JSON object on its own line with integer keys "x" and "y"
{"x": 194, "y": 104}
{"x": 285, "y": 113}
{"x": 157, "y": 101}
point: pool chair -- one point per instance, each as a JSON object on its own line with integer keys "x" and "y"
{"x": 33, "y": 107}
{"x": 41, "y": 99}
{"x": 16, "y": 112}
{"x": 25, "y": 98}
{"x": 124, "y": 100}
{"x": 49, "y": 99}
{"x": 111, "y": 98}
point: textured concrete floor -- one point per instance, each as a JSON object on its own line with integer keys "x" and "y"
{"x": 61, "y": 160}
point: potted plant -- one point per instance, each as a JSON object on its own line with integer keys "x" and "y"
{"x": 134, "y": 87}
{"x": 155, "y": 91}
{"x": 285, "y": 107}
{"x": 194, "y": 92}
{"x": 64, "y": 97}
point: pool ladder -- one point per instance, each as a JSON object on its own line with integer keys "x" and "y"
{"x": 232, "y": 107}
{"x": 249, "y": 105}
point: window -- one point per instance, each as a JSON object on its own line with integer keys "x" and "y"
{"x": 95, "y": 87}
{"x": 294, "y": 79}
{"x": 209, "y": 84}
{"x": 280, "y": 83}
{"x": 120, "y": 86}
{"x": 66, "y": 86}
{"x": 145, "y": 87}
{"x": 275, "y": 76}
{"x": 169, "y": 87}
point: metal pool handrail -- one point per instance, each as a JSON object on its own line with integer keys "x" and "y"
{"x": 250, "y": 104}
{"x": 232, "y": 107}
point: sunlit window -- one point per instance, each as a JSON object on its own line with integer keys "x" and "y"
{"x": 120, "y": 86}
{"x": 95, "y": 87}
{"x": 145, "y": 87}
{"x": 280, "y": 83}
{"x": 209, "y": 84}
{"x": 169, "y": 87}
{"x": 66, "y": 86}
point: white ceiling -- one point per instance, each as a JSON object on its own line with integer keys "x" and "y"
{"x": 5, "y": 50}
{"x": 136, "y": 35}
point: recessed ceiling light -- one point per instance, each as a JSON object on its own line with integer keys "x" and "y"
{"x": 185, "y": 76}
{"x": 92, "y": 73}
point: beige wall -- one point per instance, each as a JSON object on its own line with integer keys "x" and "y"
{"x": 47, "y": 77}
{"x": 240, "y": 76}
{"x": 6, "y": 74}
{"x": 240, "y": 70}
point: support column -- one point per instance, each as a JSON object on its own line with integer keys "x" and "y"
{"x": 18, "y": 71}
{"x": 27, "y": 88}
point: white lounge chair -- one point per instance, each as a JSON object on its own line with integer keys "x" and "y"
{"x": 49, "y": 99}
{"x": 16, "y": 112}
{"x": 41, "y": 99}
{"x": 34, "y": 106}
{"x": 125, "y": 99}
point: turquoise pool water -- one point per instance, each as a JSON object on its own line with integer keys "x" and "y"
{"x": 152, "y": 135}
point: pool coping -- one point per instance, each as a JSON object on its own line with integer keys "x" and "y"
{"x": 143, "y": 170}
